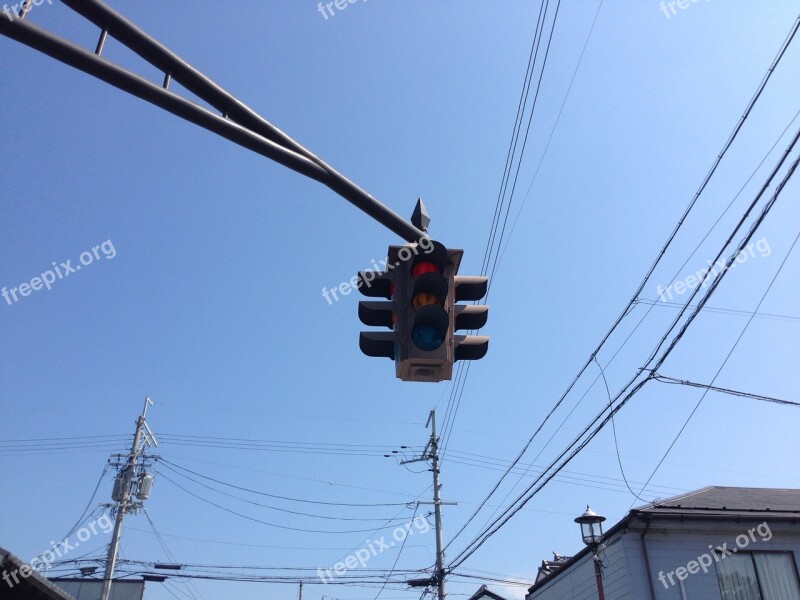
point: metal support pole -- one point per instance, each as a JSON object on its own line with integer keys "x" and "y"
{"x": 245, "y": 126}
{"x": 101, "y": 42}
{"x": 598, "y": 575}
{"x": 26, "y": 7}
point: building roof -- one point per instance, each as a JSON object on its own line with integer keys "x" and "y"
{"x": 90, "y": 589}
{"x": 713, "y": 502}
{"x": 719, "y": 500}
{"x": 548, "y": 567}
{"x": 484, "y": 592}
{"x": 33, "y": 587}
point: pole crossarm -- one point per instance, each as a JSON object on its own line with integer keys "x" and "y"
{"x": 236, "y": 122}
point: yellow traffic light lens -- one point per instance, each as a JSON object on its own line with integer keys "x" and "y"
{"x": 424, "y": 299}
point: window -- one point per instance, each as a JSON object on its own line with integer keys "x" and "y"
{"x": 758, "y": 576}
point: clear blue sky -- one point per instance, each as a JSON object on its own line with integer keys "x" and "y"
{"x": 212, "y": 302}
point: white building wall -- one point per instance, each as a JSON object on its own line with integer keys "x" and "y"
{"x": 579, "y": 582}
{"x": 685, "y": 542}
{"x": 669, "y": 547}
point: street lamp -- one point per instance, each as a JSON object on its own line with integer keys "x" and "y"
{"x": 592, "y": 533}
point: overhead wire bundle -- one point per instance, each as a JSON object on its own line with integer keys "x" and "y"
{"x": 588, "y": 433}
{"x": 516, "y": 151}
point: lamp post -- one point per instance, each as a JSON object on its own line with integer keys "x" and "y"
{"x": 592, "y": 533}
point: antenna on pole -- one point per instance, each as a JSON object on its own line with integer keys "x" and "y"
{"x": 147, "y": 402}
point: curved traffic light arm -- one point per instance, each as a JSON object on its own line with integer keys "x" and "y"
{"x": 236, "y": 122}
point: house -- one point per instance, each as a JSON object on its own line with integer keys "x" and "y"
{"x": 485, "y": 593}
{"x": 716, "y": 543}
{"x": 548, "y": 567}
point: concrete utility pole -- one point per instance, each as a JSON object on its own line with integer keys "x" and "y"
{"x": 123, "y": 492}
{"x": 431, "y": 453}
{"x": 437, "y": 506}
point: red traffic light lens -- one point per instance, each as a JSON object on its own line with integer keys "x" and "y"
{"x": 423, "y": 267}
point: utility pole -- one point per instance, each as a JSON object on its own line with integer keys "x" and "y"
{"x": 300, "y": 596}
{"x": 437, "y": 505}
{"x": 124, "y": 485}
{"x": 431, "y": 453}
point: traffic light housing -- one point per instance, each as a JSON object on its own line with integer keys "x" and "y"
{"x": 378, "y": 313}
{"x": 422, "y": 288}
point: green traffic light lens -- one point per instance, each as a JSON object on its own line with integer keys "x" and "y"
{"x": 427, "y": 337}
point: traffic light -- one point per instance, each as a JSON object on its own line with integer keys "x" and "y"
{"x": 422, "y": 288}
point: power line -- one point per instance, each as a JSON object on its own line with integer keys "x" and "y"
{"x": 711, "y": 309}
{"x": 652, "y": 268}
{"x": 730, "y": 353}
{"x": 553, "y": 129}
{"x": 673, "y": 380}
{"x": 397, "y": 558}
{"x": 350, "y": 504}
{"x": 293, "y": 512}
{"x": 512, "y": 145}
{"x": 327, "y": 483}
{"x": 243, "y": 545}
{"x": 340, "y": 449}
{"x": 124, "y": 437}
{"x": 461, "y": 375}
{"x": 525, "y": 140}
{"x": 633, "y": 330}
{"x": 83, "y": 516}
{"x": 718, "y": 277}
{"x": 262, "y": 522}
{"x": 580, "y": 441}
{"x": 530, "y": 492}
{"x": 575, "y": 477}
{"x": 462, "y": 371}
{"x": 614, "y": 429}
{"x": 163, "y": 545}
